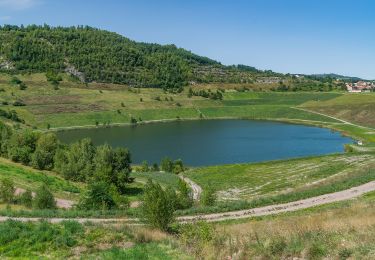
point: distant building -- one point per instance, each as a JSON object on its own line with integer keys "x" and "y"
{"x": 360, "y": 86}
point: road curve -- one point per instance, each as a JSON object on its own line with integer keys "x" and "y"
{"x": 197, "y": 190}
{"x": 239, "y": 214}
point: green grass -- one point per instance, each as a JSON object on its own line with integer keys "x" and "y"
{"x": 134, "y": 191}
{"x": 356, "y": 108}
{"x": 38, "y": 240}
{"x": 248, "y": 181}
{"x": 69, "y": 239}
{"x": 157, "y": 251}
{"x": 276, "y": 112}
{"x": 275, "y": 98}
{"x": 163, "y": 178}
{"x": 27, "y": 178}
{"x": 354, "y": 177}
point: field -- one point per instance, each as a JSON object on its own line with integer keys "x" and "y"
{"x": 359, "y": 109}
{"x": 250, "y": 181}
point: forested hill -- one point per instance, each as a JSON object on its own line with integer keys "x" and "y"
{"x": 97, "y": 55}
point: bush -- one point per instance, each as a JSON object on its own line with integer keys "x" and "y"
{"x": 112, "y": 166}
{"x": 184, "y": 196}
{"x": 348, "y": 148}
{"x": 145, "y": 167}
{"x": 22, "y": 145}
{"x": 208, "y": 197}
{"x": 166, "y": 164}
{"x": 7, "y": 190}
{"x": 75, "y": 162}
{"x": 178, "y": 166}
{"x": 26, "y": 198}
{"x": 22, "y": 86}
{"x": 18, "y": 103}
{"x": 5, "y": 134}
{"x": 46, "y": 147}
{"x": 158, "y": 207}
{"x": 155, "y": 167}
{"x": 98, "y": 196}
{"x": 195, "y": 236}
{"x": 44, "y": 198}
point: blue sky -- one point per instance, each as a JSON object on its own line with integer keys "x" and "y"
{"x": 296, "y": 36}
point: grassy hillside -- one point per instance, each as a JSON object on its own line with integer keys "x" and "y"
{"x": 74, "y": 104}
{"x": 27, "y": 178}
{"x": 356, "y": 108}
{"x": 251, "y": 181}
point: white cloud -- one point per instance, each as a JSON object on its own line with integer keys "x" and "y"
{"x": 5, "y": 18}
{"x": 18, "y": 4}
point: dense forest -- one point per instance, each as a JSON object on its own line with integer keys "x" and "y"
{"x": 96, "y": 55}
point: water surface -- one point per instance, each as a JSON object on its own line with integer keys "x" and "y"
{"x": 212, "y": 142}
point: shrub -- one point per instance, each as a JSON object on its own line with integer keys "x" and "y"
{"x": 158, "y": 207}
{"x": 197, "y": 235}
{"x": 26, "y": 198}
{"x": 145, "y": 167}
{"x": 178, "y": 166}
{"x": 133, "y": 120}
{"x": 45, "y": 150}
{"x": 155, "y": 167}
{"x": 5, "y": 134}
{"x": 44, "y": 198}
{"x": 208, "y": 197}
{"x": 348, "y": 148}
{"x": 184, "y": 196}
{"x": 22, "y": 86}
{"x": 18, "y": 103}
{"x": 14, "y": 80}
{"x": 75, "y": 162}
{"x": 22, "y": 145}
{"x": 166, "y": 164}
{"x": 112, "y": 166}
{"x": 7, "y": 190}
{"x": 98, "y": 196}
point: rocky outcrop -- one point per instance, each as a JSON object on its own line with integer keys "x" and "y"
{"x": 6, "y": 64}
{"x": 71, "y": 70}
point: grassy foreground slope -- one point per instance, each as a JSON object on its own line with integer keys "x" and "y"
{"x": 342, "y": 230}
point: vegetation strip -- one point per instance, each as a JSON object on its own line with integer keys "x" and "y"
{"x": 240, "y": 214}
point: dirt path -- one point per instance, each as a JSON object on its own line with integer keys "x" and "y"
{"x": 197, "y": 190}
{"x": 239, "y": 214}
{"x": 286, "y": 207}
{"x": 60, "y": 203}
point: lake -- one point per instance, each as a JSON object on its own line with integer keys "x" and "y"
{"x": 212, "y": 142}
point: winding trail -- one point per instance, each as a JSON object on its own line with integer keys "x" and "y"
{"x": 286, "y": 207}
{"x": 232, "y": 215}
{"x": 197, "y": 190}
